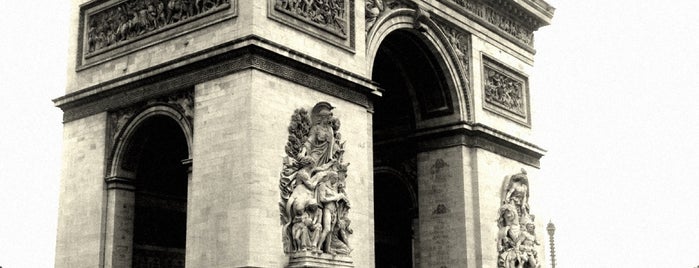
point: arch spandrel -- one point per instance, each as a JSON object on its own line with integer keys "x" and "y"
{"x": 441, "y": 39}
{"x": 125, "y": 134}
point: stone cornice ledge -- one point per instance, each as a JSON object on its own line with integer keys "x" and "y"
{"x": 247, "y": 52}
{"x": 515, "y": 20}
{"x": 538, "y": 8}
{"x": 476, "y": 135}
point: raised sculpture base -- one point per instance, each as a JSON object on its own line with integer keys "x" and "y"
{"x": 307, "y": 259}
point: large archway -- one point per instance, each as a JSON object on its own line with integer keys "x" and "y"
{"x": 160, "y": 196}
{"x": 415, "y": 89}
{"x": 150, "y": 168}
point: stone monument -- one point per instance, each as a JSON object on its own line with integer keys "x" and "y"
{"x": 219, "y": 133}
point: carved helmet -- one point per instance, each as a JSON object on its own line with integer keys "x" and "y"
{"x": 321, "y": 110}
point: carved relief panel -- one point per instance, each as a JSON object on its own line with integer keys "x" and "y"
{"x": 329, "y": 20}
{"x": 109, "y": 25}
{"x": 505, "y": 92}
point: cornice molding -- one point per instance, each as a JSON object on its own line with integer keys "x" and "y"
{"x": 476, "y": 135}
{"x": 472, "y": 135}
{"x": 250, "y": 52}
{"x": 516, "y": 20}
{"x": 539, "y": 8}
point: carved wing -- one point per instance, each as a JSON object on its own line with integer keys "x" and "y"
{"x": 506, "y": 186}
{"x": 298, "y": 129}
{"x": 525, "y": 180}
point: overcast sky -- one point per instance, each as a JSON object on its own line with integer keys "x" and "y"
{"x": 614, "y": 93}
{"x": 617, "y": 85}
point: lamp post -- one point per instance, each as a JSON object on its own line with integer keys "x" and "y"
{"x": 551, "y": 230}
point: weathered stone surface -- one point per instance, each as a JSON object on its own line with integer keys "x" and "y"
{"x": 81, "y": 199}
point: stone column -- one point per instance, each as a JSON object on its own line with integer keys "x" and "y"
{"x": 120, "y": 217}
{"x": 441, "y": 186}
{"x": 416, "y": 242}
{"x": 189, "y": 219}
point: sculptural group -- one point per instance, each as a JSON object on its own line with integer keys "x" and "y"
{"x": 516, "y": 236}
{"x": 314, "y": 204}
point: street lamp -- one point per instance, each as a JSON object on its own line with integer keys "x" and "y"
{"x": 551, "y": 230}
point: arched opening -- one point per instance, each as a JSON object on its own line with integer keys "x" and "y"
{"x": 154, "y": 154}
{"x": 415, "y": 86}
{"x": 415, "y": 89}
{"x": 395, "y": 220}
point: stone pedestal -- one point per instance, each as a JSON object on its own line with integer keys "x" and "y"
{"x": 309, "y": 259}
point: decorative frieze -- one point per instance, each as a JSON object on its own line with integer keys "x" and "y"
{"x": 128, "y": 20}
{"x": 314, "y": 205}
{"x": 329, "y": 20}
{"x": 505, "y": 91}
{"x": 502, "y": 16}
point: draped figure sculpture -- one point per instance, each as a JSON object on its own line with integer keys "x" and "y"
{"x": 314, "y": 205}
{"x": 517, "y": 193}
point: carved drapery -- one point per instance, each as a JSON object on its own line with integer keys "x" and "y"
{"x": 314, "y": 204}
{"x": 505, "y": 91}
{"x": 502, "y": 16}
{"x": 132, "y": 19}
{"x": 517, "y": 243}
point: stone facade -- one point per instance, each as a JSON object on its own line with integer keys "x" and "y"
{"x": 432, "y": 92}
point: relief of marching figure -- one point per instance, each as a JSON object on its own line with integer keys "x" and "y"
{"x": 314, "y": 204}
{"x": 516, "y": 237}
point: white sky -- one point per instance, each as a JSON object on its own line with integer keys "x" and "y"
{"x": 614, "y": 92}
